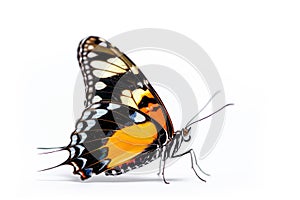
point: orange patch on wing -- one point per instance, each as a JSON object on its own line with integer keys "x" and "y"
{"x": 152, "y": 110}
{"x": 127, "y": 143}
{"x": 155, "y": 112}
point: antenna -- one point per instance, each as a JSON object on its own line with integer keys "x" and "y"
{"x": 230, "y": 104}
{"x": 211, "y": 98}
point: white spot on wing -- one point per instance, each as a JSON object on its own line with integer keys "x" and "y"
{"x": 134, "y": 70}
{"x": 90, "y": 124}
{"x": 90, "y": 77}
{"x": 95, "y": 105}
{"x": 103, "y": 44}
{"x": 79, "y": 127}
{"x": 126, "y": 93}
{"x": 96, "y": 99}
{"x": 72, "y": 152}
{"x": 98, "y": 64}
{"x": 86, "y": 114}
{"x": 117, "y": 61}
{"x": 81, "y": 148}
{"x": 113, "y": 106}
{"x": 74, "y": 139}
{"x": 103, "y": 74}
{"x": 99, "y": 113}
{"x": 137, "y": 117}
{"x": 128, "y": 101}
{"x": 83, "y": 136}
{"x": 100, "y": 85}
{"x": 92, "y": 55}
{"x": 140, "y": 84}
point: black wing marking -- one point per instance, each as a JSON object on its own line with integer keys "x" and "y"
{"x": 90, "y": 143}
{"x": 109, "y": 75}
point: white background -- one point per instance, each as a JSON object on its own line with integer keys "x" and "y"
{"x": 254, "y": 44}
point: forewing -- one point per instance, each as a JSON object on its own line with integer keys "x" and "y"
{"x": 109, "y": 75}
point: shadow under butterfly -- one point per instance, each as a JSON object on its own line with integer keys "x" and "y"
{"x": 125, "y": 124}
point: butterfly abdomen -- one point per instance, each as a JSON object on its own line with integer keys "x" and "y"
{"x": 138, "y": 162}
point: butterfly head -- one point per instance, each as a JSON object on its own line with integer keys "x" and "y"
{"x": 186, "y": 134}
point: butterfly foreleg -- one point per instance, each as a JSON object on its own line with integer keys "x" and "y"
{"x": 163, "y": 159}
{"x": 160, "y": 161}
{"x": 193, "y": 161}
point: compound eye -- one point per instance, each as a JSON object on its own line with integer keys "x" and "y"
{"x": 186, "y": 131}
{"x": 186, "y": 135}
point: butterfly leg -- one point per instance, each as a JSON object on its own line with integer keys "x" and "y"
{"x": 164, "y": 158}
{"x": 160, "y": 161}
{"x": 193, "y": 160}
{"x": 193, "y": 152}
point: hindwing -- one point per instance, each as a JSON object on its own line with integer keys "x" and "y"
{"x": 109, "y": 134}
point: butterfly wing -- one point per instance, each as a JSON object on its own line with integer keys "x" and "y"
{"x": 108, "y": 135}
{"x": 124, "y": 116}
{"x": 109, "y": 75}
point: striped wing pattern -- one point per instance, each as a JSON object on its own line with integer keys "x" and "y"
{"x": 109, "y": 75}
{"x": 124, "y": 122}
{"x": 108, "y": 135}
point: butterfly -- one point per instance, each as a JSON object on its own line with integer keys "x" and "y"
{"x": 125, "y": 124}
